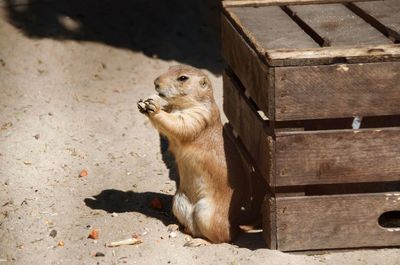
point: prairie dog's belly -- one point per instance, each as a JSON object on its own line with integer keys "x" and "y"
{"x": 193, "y": 204}
{"x": 194, "y": 216}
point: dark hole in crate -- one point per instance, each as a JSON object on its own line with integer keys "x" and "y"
{"x": 390, "y": 219}
{"x": 336, "y": 189}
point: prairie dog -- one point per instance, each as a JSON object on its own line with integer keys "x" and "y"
{"x": 213, "y": 198}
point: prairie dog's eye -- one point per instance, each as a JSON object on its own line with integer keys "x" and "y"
{"x": 182, "y": 78}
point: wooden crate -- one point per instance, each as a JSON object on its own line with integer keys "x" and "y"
{"x": 313, "y": 201}
{"x": 297, "y": 75}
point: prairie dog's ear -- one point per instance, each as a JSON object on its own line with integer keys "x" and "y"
{"x": 204, "y": 82}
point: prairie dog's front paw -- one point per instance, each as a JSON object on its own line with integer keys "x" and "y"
{"x": 152, "y": 106}
{"x": 141, "y": 106}
{"x": 148, "y": 106}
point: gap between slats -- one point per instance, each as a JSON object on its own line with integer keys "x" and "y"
{"x": 368, "y": 122}
{"x": 356, "y": 10}
{"x": 374, "y": 22}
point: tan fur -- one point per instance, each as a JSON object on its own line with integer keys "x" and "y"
{"x": 212, "y": 197}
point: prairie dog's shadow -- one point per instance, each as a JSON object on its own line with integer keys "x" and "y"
{"x": 129, "y": 201}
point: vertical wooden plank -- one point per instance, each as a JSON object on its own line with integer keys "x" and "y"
{"x": 335, "y": 221}
{"x": 338, "y": 26}
{"x": 256, "y": 183}
{"x": 246, "y": 64}
{"x": 269, "y": 221}
{"x": 384, "y": 15}
{"x": 249, "y": 126}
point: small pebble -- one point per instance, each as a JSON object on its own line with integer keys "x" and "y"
{"x": 114, "y": 215}
{"x": 53, "y": 233}
{"x": 172, "y": 227}
{"x": 83, "y": 173}
{"x": 99, "y": 254}
{"x": 37, "y": 136}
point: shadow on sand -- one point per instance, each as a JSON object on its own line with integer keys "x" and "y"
{"x": 184, "y": 31}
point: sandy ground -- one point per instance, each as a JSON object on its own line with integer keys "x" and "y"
{"x": 71, "y": 73}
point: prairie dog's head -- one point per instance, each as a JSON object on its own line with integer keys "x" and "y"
{"x": 184, "y": 85}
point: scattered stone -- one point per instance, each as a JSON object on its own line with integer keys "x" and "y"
{"x": 27, "y": 162}
{"x": 60, "y": 243}
{"x": 114, "y": 215}
{"x": 83, "y": 173}
{"x": 99, "y": 254}
{"x": 6, "y": 125}
{"x": 37, "y": 136}
{"x": 53, "y": 233}
{"x": 94, "y": 234}
{"x": 156, "y": 204}
{"x": 173, "y": 227}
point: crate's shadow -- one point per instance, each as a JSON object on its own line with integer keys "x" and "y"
{"x": 184, "y": 31}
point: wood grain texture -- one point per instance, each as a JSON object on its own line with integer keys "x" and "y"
{"x": 385, "y": 13}
{"x": 337, "y": 91}
{"x": 256, "y": 183}
{"x": 337, "y": 156}
{"x": 227, "y": 3}
{"x": 338, "y": 26}
{"x": 335, "y": 221}
{"x": 252, "y": 72}
{"x": 269, "y": 27}
{"x": 250, "y": 127}
{"x": 332, "y": 55}
{"x": 269, "y": 221}
{"x": 312, "y": 157}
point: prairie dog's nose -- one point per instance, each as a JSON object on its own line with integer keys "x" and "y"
{"x": 157, "y": 83}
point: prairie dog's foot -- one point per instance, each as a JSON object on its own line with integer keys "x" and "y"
{"x": 196, "y": 242}
{"x": 148, "y": 106}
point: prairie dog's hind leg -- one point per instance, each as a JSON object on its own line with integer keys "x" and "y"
{"x": 183, "y": 211}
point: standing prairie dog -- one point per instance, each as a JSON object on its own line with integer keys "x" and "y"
{"x": 213, "y": 198}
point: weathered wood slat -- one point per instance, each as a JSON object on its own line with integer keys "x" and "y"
{"x": 383, "y": 13}
{"x": 341, "y": 156}
{"x": 246, "y": 64}
{"x": 332, "y": 55}
{"x": 336, "y": 91}
{"x": 335, "y": 221}
{"x": 269, "y": 27}
{"x": 245, "y": 21}
{"x": 255, "y": 182}
{"x": 249, "y": 127}
{"x": 338, "y": 26}
{"x": 269, "y": 221}
{"x": 227, "y": 3}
